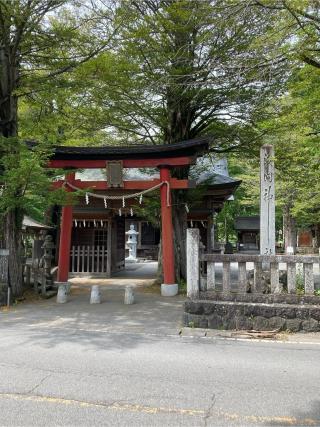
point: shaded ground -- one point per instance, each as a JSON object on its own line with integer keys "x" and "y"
{"x": 151, "y": 312}
{"x": 135, "y": 274}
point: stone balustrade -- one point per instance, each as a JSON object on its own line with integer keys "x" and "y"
{"x": 270, "y": 263}
{"x": 202, "y": 271}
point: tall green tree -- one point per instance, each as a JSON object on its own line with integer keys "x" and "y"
{"x": 40, "y": 42}
{"x": 295, "y": 132}
{"x": 184, "y": 69}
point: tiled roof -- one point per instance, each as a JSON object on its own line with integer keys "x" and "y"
{"x": 115, "y": 152}
{"x": 31, "y": 223}
{"x": 247, "y": 223}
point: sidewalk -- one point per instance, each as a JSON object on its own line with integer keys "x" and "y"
{"x": 151, "y": 313}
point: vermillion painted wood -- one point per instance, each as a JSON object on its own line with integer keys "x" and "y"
{"x": 167, "y": 231}
{"x": 65, "y": 240}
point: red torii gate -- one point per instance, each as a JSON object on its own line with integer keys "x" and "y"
{"x": 163, "y": 157}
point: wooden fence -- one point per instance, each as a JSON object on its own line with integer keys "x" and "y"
{"x": 89, "y": 259}
{"x": 201, "y": 270}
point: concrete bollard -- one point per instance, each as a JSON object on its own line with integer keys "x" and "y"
{"x": 62, "y": 296}
{"x": 95, "y": 297}
{"x": 129, "y": 295}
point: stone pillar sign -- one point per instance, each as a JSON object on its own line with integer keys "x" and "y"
{"x": 267, "y": 201}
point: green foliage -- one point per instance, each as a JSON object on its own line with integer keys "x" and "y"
{"x": 294, "y": 131}
{"x": 42, "y": 43}
{"x": 150, "y": 209}
{"x": 182, "y": 287}
{"x": 26, "y": 183}
{"x": 299, "y": 283}
{"x": 183, "y": 68}
{"x": 297, "y": 25}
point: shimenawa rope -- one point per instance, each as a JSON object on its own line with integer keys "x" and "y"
{"x": 124, "y": 196}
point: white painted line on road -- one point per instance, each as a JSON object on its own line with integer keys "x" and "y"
{"x": 115, "y": 406}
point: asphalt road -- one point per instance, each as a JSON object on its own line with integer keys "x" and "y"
{"x": 58, "y": 376}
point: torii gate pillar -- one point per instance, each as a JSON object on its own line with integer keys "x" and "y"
{"x": 169, "y": 287}
{"x": 65, "y": 240}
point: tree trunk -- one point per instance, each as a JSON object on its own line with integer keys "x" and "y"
{"x": 8, "y": 99}
{"x": 12, "y": 220}
{"x": 13, "y": 239}
{"x": 179, "y": 217}
{"x": 289, "y": 230}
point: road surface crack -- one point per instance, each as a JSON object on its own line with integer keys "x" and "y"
{"x": 39, "y": 384}
{"x": 208, "y": 413}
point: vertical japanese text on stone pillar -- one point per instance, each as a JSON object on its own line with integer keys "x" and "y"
{"x": 267, "y": 201}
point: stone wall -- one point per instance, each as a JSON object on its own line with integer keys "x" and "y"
{"x": 248, "y": 315}
{"x": 261, "y": 298}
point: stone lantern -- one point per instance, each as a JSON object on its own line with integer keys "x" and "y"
{"x": 132, "y": 244}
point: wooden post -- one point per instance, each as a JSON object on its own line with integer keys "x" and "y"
{"x": 109, "y": 246}
{"x": 169, "y": 287}
{"x": 193, "y": 262}
{"x": 88, "y": 259}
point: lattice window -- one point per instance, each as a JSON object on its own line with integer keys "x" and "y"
{"x": 100, "y": 237}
